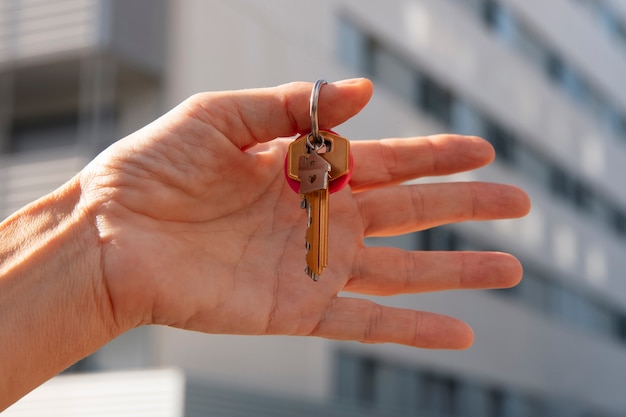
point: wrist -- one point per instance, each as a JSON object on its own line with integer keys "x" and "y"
{"x": 51, "y": 290}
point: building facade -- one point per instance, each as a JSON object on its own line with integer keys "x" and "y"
{"x": 543, "y": 81}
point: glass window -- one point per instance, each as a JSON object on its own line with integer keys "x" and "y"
{"x": 353, "y": 46}
{"x": 411, "y": 391}
{"x": 583, "y": 196}
{"x": 347, "y": 369}
{"x": 611, "y": 120}
{"x": 473, "y": 400}
{"x": 438, "y": 395}
{"x": 554, "y": 67}
{"x": 44, "y": 134}
{"x": 620, "y": 327}
{"x": 436, "y": 100}
{"x": 573, "y": 83}
{"x": 502, "y": 140}
{"x": 496, "y": 403}
{"x": 395, "y": 74}
{"x": 535, "y": 292}
{"x": 407, "y": 383}
{"x": 532, "y": 47}
{"x": 367, "y": 381}
{"x": 490, "y": 13}
{"x": 532, "y": 164}
{"x": 609, "y": 20}
{"x": 617, "y": 221}
{"x": 474, "y": 6}
{"x": 568, "y": 305}
{"x": 622, "y": 127}
{"x": 560, "y": 183}
{"x": 439, "y": 239}
{"x": 500, "y": 19}
{"x": 389, "y": 392}
{"x": 367, "y": 55}
{"x": 466, "y": 119}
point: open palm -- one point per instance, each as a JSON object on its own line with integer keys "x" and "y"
{"x": 199, "y": 229}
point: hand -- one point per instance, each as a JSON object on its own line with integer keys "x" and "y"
{"x": 199, "y": 230}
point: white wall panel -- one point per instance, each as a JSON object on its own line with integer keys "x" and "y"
{"x": 158, "y": 393}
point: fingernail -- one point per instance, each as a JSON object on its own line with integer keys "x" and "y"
{"x": 348, "y": 81}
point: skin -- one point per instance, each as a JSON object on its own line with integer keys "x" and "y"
{"x": 189, "y": 223}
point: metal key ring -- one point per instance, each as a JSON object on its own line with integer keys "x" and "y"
{"x": 317, "y": 141}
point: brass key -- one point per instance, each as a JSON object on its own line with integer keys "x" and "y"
{"x": 314, "y": 160}
{"x": 313, "y": 171}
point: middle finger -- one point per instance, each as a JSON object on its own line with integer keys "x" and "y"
{"x": 408, "y": 208}
{"x": 391, "y": 161}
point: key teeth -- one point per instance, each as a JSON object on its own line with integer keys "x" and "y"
{"x": 311, "y": 274}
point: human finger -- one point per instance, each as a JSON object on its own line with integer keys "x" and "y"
{"x": 407, "y": 208}
{"x": 248, "y": 117}
{"x": 390, "y": 271}
{"x": 368, "y": 322}
{"x": 391, "y": 161}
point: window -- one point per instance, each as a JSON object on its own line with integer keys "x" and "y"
{"x": 438, "y": 395}
{"x": 414, "y": 391}
{"x": 503, "y": 141}
{"x": 515, "y": 32}
{"x": 561, "y": 184}
{"x": 436, "y": 100}
{"x": 466, "y": 119}
{"x": 617, "y": 221}
{"x": 367, "y": 381}
{"x": 395, "y": 74}
{"x": 496, "y": 403}
{"x": 533, "y": 163}
{"x": 531, "y": 46}
{"x": 439, "y": 239}
{"x": 608, "y": 19}
{"x": 502, "y": 22}
{"x": 620, "y": 327}
{"x": 354, "y": 46}
{"x": 612, "y": 121}
{"x": 44, "y": 134}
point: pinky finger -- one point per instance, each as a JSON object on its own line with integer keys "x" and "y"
{"x": 368, "y": 322}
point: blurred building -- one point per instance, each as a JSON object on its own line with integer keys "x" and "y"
{"x": 544, "y": 81}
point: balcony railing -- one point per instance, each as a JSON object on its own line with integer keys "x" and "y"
{"x": 34, "y": 28}
{"x": 39, "y": 29}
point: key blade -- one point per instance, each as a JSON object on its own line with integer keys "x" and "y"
{"x": 317, "y": 233}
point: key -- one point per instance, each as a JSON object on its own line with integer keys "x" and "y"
{"x": 314, "y": 174}
{"x": 317, "y": 164}
{"x": 315, "y": 171}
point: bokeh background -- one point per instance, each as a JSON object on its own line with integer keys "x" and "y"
{"x": 543, "y": 81}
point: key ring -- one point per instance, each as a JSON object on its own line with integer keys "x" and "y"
{"x": 314, "y": 142}
{"x": 317, "y": 141}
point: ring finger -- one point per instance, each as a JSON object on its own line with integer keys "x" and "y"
{"x": 390, "y": 271}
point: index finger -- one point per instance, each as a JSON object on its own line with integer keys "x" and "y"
{"x": 392, "y": 161}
